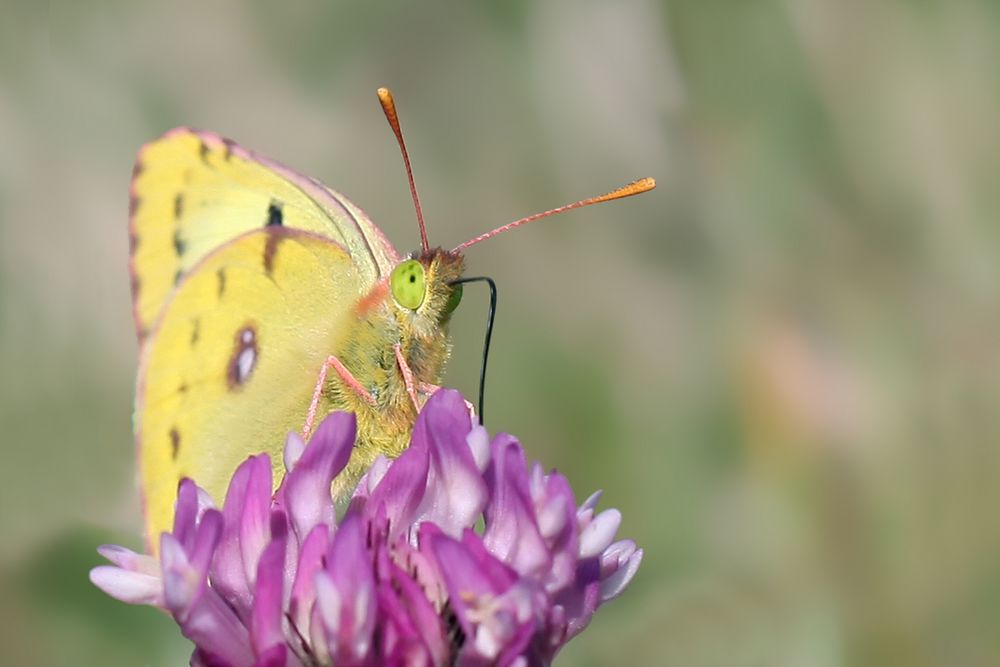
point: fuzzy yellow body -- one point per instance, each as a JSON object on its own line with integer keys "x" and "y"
{"x": 246, "y": 277}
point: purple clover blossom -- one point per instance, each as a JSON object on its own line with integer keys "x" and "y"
{"x": 405, "y": 578}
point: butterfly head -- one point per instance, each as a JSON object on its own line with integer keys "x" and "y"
{"x": 422, "y": 288}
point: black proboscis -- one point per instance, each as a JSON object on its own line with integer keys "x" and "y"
{"x": 489, "y": 332}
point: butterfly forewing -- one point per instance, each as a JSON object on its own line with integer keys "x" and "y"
{"x": 193, "y": 192}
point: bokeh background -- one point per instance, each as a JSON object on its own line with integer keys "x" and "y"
{"x": 783, "y": 365}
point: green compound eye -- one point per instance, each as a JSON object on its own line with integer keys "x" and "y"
{"x": 407, "y": 284}
{"x": 453, "y": 300}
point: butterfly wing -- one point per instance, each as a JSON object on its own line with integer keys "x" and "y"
{"x": 195, "y": 191}
{"x": 231, "y": 366}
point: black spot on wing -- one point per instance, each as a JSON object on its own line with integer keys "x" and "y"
{"x": 270, "y": 251}
{"x": 178, "y": 206}
{"x": 178, "y": 276}
{"x": 179, "y": 243}
{"x": 195, "y": 331}
{"x": 175, "y": 442}
{"x": 203, "y": 151}
{"x": 275, "y": 218}
{"x": 221, "y": 276}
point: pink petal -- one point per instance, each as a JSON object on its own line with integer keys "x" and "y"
{"x": 613, "y": 585}
{"x": 306, "y": 488}
{"x": 255, "y": 519}
{"x": 455, "y": 492}
{"x": 596, "y": 537}
{"x": 265, "y": 622}
{"x": 395, "y": 500}
{"x": 311, "y": 558}
{"x": 345, "y": 593}
{"x": 130, "y": 560}
{"x": 131, "y": 587}
{"x": 511, "y": 532}
{"x": 247, "y": 499}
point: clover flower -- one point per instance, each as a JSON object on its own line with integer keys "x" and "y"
{"x": 457, "y": 552}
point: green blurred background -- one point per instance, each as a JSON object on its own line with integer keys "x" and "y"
{"x": 782, "y": 365}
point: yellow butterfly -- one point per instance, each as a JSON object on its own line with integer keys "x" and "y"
{"x": 264, "y": 300}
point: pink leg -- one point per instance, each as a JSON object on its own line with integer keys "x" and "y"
{"x": 345, "y": 375}
{"x": 404, "y": 368}
{"x": 426, "y": 388}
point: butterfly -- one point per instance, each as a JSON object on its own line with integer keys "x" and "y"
{"x": 264, "y": 300}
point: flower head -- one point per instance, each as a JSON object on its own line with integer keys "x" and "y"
{"x": 405, "y": 577}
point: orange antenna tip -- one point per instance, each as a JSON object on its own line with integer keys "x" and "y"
{"x": 633, "y": 188}
{"x": 388, "y": 104}
{"x": 638, "y": 187}
{"x": 389, "y": 108}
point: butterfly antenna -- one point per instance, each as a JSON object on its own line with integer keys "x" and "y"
{"x": 389, "y": 107}
{"x": 633, "y": 188}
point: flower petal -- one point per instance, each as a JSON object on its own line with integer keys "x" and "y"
{"x": 255, "y": 517}
{"x": 393, "y": 502}
{"x": 554, "y": 503}
{"x": 345, "y": 593}
{"x": 128, "y": 586}
{"x": 511, "y": 532}
{"x": 478, "y": 441}
{"x": 619, "y": 579}
{"x": 246, "y": 512}
{"x": 306, "y": 488}
{"x": 411, "y": 625}
{"x": 294, "y": 447}
{"x": 204, "y": 617}
{"x": 276, "y": 656}
{"x": 455, "y": 492}
{"x": 494, "y": 608}
{"x": 596, "y": 537}
{"x": 186, "y": 512}
{"x": 130, "y": 560}
{"x": 265, "y": 622}
{"x": 311, "y": 557}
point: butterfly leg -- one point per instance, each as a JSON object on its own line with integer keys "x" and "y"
{"x": 425, "y": 388}
{"x": 345, "y": 375}
{"x": 404, "y": 368}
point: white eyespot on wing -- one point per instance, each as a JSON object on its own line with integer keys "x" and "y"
{"x": 245, "y": 363}
{"x": 243, "y": 360}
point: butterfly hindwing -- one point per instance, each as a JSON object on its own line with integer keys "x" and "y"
{"x": 195, "y": 191}
{"x": 233, "y": 362}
